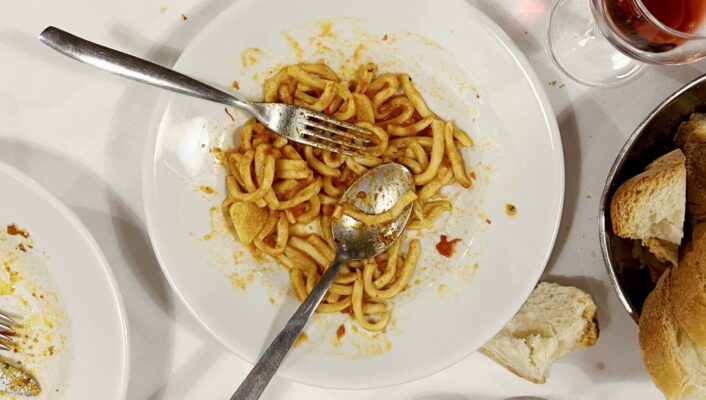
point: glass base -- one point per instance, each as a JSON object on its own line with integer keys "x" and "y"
{"x": 581, "y": 52}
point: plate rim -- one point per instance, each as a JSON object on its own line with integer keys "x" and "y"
{"x": 547, "y": 114}
{"x": 83, "y": 231}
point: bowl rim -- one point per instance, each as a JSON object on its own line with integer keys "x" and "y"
{"x": 604, "y": 205}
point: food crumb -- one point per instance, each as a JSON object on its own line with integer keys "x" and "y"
{"x": 237, "y": 281}
{"x": 561, "y": 86}
{"x": 249, "y": 56}
{"x": 232, "y": 118}
{"x": 206, "y": 189}
{"x": 473, "y": 175}
{"x": 183, "y": 17}
{"x": 12, "y": 229}
{"x": 510, "y": 210}
{"x": 218, "y": 154}
{"x": 340, "y": 331}
{"x": 162, "y": 8}
{"x": 552, "y": 83}
{"x": 488, "y": 221}
{"x": 326, "y": 29}
{"x": 385, "y": 37}
{"x": 446, "y": 247}
{"x": 442, "y": 290}
{"x": 235, "y": 85}
{"x": 300, "y": 339}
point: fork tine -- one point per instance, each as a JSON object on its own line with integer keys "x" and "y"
{"x": 4, "y": 347}
{"x": 6, "y": 328}
{"x": 336, "y": 131}
{"x": 325, "y": 146}
{"x": 330, "y": 139}
{"x": 6, "y": 338}
{"x": 338, "y": 122}
{"x": 6, "y": 319}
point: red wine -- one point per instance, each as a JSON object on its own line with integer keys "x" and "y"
{"x": 681, "y": 15}
{"x": 637, "y": 29}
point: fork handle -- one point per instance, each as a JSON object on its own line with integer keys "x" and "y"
{"x": 133, "y": 67}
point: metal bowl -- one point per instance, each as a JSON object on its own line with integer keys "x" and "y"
{"x": 652, "y": 138}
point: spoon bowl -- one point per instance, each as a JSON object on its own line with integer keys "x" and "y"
{"x": 375, "y": 192}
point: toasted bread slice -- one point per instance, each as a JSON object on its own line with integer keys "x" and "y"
{"x": 651, "y": 206}
{"x": 553, "y": 321}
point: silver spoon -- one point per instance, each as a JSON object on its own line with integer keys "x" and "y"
{"x": 383, "y": 186}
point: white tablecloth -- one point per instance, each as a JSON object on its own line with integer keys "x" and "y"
{"x": 80, "y": 132}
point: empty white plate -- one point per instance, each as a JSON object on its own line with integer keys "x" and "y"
{"x": 75, "y": 322}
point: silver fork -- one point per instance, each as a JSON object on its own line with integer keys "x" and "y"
{"x": 6, "y": 330}
{"x": 14, "y": 379}
{"x": 295, "y": 123}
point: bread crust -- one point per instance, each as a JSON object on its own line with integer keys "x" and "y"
{"x": 658, "y": 341}
{"x": 688, "y": 288}
{"x": 592, "y": 330}
{"x": 691, "y": 138}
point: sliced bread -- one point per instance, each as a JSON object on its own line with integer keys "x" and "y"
{"x": 553, "y": 321}
{"x": 651, "y": 206}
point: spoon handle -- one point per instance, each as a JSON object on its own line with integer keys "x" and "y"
{"x": 261, "y": 374}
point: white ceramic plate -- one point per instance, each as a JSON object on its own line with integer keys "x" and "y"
{"x": 469, "y": 71}
{"x": 68, "y": 288}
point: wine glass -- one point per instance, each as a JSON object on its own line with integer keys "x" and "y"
{"x": 608, "y": 43}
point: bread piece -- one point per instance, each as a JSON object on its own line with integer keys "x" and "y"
{"x": 651, "y": 206}
{"x": 658, "y": 341}
{"x": 656, "y": 267}
{"x": 688, "y": 288}
{"x": 691, "y": 138}
{"x": 553, "y": 321}
{"x": 663, "y": 251}
{"x": 675, "y": 363}
{"x": 248, "y": 219}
